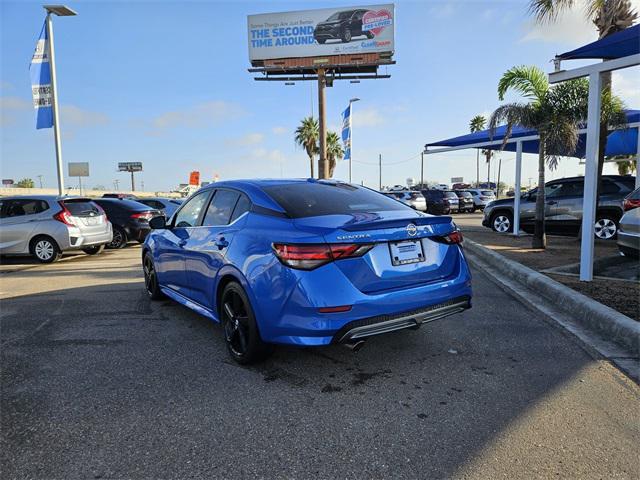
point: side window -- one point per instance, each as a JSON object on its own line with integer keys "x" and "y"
{"x": 242, "y": 206}
{"x": 609, "y": 187}
{"x": 190, "y": 212}
{"x": 551, "y": 191}
{"x": 571, "y": 189}
{"x": 220, "y": 208}
{"x": 18, "y": 208}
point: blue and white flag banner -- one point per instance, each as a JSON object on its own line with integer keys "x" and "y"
{"x": 40, "y": 70}
{"x": 346, "y": 132}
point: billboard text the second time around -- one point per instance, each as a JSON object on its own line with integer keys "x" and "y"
{"x": 329, "y": 31}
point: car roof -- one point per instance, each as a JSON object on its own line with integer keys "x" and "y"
{"x": 52, "y": 198}
{"x": 581, "y": 178}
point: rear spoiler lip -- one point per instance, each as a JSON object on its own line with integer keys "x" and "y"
{"x": 398, "y": 223}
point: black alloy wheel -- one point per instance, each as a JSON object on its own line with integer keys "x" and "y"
{"x": 240, "y": 329}
{"x": 346, "y": 35}
{"x": 119, "y": 239}
{"x": 151, "y": 279}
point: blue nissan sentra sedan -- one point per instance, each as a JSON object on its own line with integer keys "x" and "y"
{"x": 305, "y": 262}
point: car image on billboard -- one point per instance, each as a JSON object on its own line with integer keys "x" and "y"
{"x": 329, "y": 31}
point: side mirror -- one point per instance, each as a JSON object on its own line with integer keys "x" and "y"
{"x": 158, "y": 223}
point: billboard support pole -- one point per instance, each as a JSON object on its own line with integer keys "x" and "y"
{"x": 80, "y": 184}
{"x": 323, "y": 167}
{"x": 133, "y": 185}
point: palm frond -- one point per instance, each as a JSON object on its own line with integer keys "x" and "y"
{"x": 511, "y": 114}
{"x": 548, "y": 10}
{"x": 561, "y": 140}
{"x": 529, "y": 81}
{"x": 477, "y": 123}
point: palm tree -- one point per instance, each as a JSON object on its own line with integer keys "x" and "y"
{"x": 475, "y": 125}
{"x": 608, "y": 16}
{"x": 334, "y": 151}
{"x": 554, "y": 112}
{"x": 306, "y": 135}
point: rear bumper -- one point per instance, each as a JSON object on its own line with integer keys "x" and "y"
{"x": 77, "y": 239}
{"x": 629, "y": 240}
{"x": 297, "y": 320}
{"x": 361, "y": 329}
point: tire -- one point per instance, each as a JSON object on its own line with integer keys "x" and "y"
{"x": 369, "y": 35}
{"x": 119, "y": 238}
{"x": 95, "y": 250}
{"x": 606, "y": 227}
{"x": 239, "y": 326}
{"x": 346, "y": 35}
{"x": 151, "y": 284}
{"x": 473, "y": 210}
{"x": 502, "y": 222}
{"x": 321, "y": 40}
{"x": 45, "y": 249}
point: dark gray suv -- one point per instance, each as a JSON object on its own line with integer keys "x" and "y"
{"x": 563, "y": 207}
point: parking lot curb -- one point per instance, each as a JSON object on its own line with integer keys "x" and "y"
{"x": 585, "y": 311}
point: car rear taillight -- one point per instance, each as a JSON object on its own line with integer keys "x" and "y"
{"x": 142, "y": 216}
{"x": 308, "y": 257}
{"x": 630, "y": 204}
{"x": 64, "y": 216}
{"x": 454, "y": 238}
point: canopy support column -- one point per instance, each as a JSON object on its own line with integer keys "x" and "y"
{"x": 638, "y": 160}
{"x": 590, "y": 177}
{"x": 516, "y": 196}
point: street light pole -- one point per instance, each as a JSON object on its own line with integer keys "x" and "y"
{"x": 59, "y": 10}
{"x": 353, "y": 100}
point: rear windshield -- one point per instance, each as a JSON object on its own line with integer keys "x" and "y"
{"x": 449, "y": 194}
{"x": 635, "y": 195}
{"x": 124, "y": 204}
{"x": 486, "y": 193}
{"x": 314, "y": 199}
{"x": 465, "y": 194}
{"x": 82, "y": 208}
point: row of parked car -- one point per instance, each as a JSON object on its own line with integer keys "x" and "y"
{"x": 45, "y": 226}
{"x": 444, "y": 202}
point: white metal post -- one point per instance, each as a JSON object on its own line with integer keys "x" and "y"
{"x": 54, "y": 105}
{"x": 638, "y": 159}
{"x": 590, "y": 177}
{"x": 516, "y": 196}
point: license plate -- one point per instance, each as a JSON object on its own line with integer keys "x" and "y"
{"x": 90, "y": 221}
{"x": 407, "y": 251}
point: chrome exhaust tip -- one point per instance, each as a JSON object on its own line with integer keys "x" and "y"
{"x": 354, "y": 346}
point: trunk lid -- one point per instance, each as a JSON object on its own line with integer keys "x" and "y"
{"x": 86, "y": 215}
{"x": 378, "y": 270}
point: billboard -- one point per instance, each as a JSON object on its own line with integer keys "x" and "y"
{"x": 457, "y": 179}
{"x": 130, "y": 166}
{"x": 194, "y": 178}
{"x": 79, "y": 169}
{"x": 7, "y": 181}
{"x": 328, "y": 31}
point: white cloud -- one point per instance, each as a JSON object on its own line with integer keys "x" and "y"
{"x": 279, "y": 130}
{"x": 245, "y": 140}
{"x": 624, "y": 83}
{"x": 367, "y": 117}
{"x": 570, "y": 28}
{"x": 198, "y": 116}
{"x": 77, "y": 117}
{"x": 10, "y": 107}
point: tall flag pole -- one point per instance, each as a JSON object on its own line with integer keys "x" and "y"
{"x": 346, "y": 136}
{"x": 43, "y": 84}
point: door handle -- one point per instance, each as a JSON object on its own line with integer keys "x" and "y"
{"x": 221, "y": 243}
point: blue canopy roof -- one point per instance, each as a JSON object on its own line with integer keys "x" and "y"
{"x": 619, "y": 142}
{"x": 617, "y": 45}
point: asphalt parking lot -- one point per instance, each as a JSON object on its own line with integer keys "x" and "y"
{"x": 98, "y": 382}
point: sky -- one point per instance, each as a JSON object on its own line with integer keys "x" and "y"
{"x": 166, "y": 84}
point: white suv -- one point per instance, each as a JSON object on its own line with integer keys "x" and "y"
{"x": 47, "y": 225}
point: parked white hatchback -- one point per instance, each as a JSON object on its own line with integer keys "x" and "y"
{"x": 45, "y": 226}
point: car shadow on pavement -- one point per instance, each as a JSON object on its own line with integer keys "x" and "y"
{"x": 98, "y": 381}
